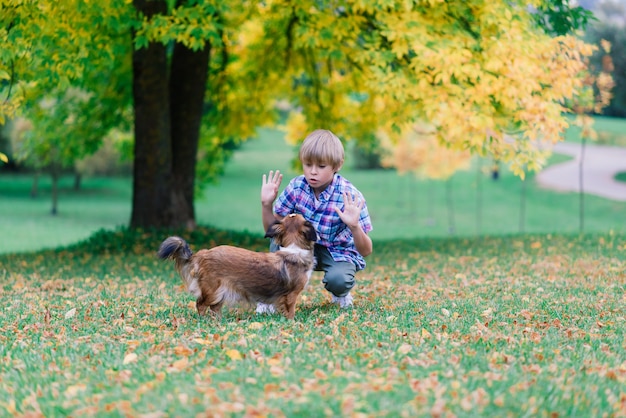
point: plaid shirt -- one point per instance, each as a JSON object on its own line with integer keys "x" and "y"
{"x": 299, "y": 197}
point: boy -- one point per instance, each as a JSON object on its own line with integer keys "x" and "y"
{"x": 332, "y": 204}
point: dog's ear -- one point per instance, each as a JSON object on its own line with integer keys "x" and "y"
{"x": 309, "y": 232}
{"x": 273, "y": 229}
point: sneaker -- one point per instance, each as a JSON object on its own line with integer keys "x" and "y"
{"x": 265, "y": 308}
{"x": 343, "y": 301}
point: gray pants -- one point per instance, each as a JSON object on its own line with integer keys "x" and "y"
{"x": 338, "y": 275}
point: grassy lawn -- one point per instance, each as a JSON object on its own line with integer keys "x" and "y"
{"x": 505, "y": 326}
{"x": 27, "y": 224}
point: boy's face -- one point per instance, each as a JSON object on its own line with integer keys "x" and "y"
{"x": 318, "y": 175}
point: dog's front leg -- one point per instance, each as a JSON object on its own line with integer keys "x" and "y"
{"x": 286, "y": 305}
{"x": 201, "y": 305}
{"x": 204, "y": 303}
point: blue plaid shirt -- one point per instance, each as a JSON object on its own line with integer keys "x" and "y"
{"x": 299, "y": 197}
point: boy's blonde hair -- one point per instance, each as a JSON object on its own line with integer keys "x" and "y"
{"x": 322, "y": 147}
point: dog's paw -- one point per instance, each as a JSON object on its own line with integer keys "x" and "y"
{"x": 264, "y": 308}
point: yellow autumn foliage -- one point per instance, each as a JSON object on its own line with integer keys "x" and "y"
{"x": 418, "y": 151}
{"x": 502, "y": 75}
{"x": 365, "y": 69}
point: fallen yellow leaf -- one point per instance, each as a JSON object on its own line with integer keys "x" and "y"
{"x": 277, "y": 371}
{"x": 405, "y": 348}
{"x": 273, "y": 361}
{"x": 130, "y": 358}
{"x": 73, "y": 390}
{"x": 179, "y": 365}
{"x": 203, "y": 341}
{"x": 70, "y": 314}
{"x": 181, "y": 350}
{"x": 234, "y": 354}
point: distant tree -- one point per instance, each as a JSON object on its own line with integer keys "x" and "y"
{"x": 47, "y": 145}
{"x": 67, "y": 71}
{"x": 611, "y": 27}
{"x": 418, "y": 151}
{"x": 522, "y": 206}
{"x": 592, "y": 99}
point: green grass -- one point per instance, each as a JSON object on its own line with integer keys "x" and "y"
{"x": 470, "y": 203}
{"x": 505, "y": 325}
{"x": 509, "y": 326}
{"x": 27, "y": 223}
{"x": 610, "y": 131}
{"x": 407, "y": 207}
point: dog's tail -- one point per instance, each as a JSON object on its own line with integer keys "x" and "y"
{"x": 175, "y": 248}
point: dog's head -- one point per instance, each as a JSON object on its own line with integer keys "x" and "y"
{"x": 293, "y": 230}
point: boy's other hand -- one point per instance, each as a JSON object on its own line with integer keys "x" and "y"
{"x": 269, "y": 190}
{"x": 352, "y": 207}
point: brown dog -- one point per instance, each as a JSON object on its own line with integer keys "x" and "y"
{"x": 227, "y": 274}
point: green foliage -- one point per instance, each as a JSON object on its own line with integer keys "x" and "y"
{"x": 51, "y": 142}
{"x": 513, "y": 325}
{"x": 71, "y": 81}
{"x": 136, "y": 241}
{"x": 190, "y": 23}
{"x": 55, "y": 45}
{"x": 561, "y": 17}
{"x": 111, "y": 159}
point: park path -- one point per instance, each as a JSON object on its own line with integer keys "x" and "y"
{"x": 600, "y": 165}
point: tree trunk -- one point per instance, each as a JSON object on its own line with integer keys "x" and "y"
{"x": 34, "y": 189}
{"x": 581, "y": 188}
{"x": 187, "y": 85}
{"x": 153, "y": 205}
{"x": 77, "y": 180}
{"x": 430, "y": 220}
{"x": 522, "y": 207}
{"x": 479, "y": 198}
{"x": 450, "y": 205}
{"x": 54, "y": 174}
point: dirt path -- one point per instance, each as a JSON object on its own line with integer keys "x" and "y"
{"x": 600, "y": 165}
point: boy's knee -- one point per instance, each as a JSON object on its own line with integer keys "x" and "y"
{"x": 339, "y": 281}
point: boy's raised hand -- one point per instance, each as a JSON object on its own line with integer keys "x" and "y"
{"x": 269, "y": 190}
{"x": 352, "y": 206}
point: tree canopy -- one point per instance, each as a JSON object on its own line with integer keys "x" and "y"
{"x": 486, "y": 76}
